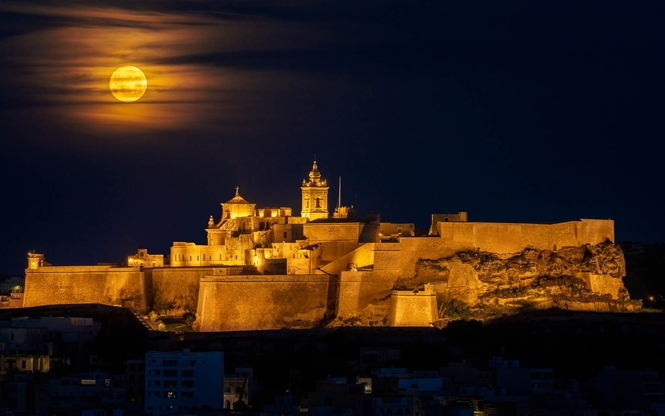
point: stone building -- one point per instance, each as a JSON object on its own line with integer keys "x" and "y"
{"x": 264, "y": 268}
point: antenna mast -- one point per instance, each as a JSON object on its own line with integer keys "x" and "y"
{"x": 339, "y": 196}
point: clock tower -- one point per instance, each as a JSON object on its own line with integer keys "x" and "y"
{"x": 314, "y": 196}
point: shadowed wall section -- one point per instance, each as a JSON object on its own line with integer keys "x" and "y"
{"x": 359, "y": 289}
{"x": 84, "y": 284}
{"x": 238, "y": 303}
{"x": 176, "y": 290}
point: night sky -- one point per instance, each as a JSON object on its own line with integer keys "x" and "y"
{"x": 529, "y": 111}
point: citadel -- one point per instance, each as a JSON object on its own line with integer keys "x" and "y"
{"x": 264, "y": 268}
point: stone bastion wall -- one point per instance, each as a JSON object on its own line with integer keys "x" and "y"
{"x": 504, "y": 238}
{"x": 57, "y": 285}
{"x": 175, "y": 290}
{"x": 238, "y": 303}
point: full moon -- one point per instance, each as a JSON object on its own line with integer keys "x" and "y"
{"x": 128, "y": 83}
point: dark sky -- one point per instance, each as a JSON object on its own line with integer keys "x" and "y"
{"x": 526, "y": 111}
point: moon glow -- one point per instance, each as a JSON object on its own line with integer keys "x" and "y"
{"x": 128, "y": 83}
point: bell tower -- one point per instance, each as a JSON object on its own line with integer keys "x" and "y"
{"x": 314, "y": 195}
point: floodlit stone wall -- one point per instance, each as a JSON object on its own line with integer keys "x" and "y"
{"x": 363, "y": 256}
{"x": 413, "y": 307}
{"x": 325, "y": 285}
{"x": 57, "y": 285}
{"x": 318, "y": 232}
{"x": 403, "y": 256}
{"x": 358, "y": 289}
{"x": 240, "y": 303}
{"x": 175, "y": 291}
{"x": 514, "y": 237}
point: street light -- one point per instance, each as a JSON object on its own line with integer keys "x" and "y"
{"x": 651, "y": 304}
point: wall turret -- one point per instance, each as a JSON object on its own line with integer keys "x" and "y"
{"x": 35, "y": 260}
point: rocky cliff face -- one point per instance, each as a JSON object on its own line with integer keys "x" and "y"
{"x": 573, "y": 274}
{"x": 476, "y": 284}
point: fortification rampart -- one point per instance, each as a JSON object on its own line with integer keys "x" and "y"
{"x": 504, "y": 238}
{"x": 358, "y": 289}
{"x": 55, "y": 285}
{"x": 175, "y": 290}
{"x": 240, "y": 303}
{"x": 402, "y": 257}
{"x": 332, "y": 250}
{"x": 413, "y": 307}
{"x": 363, "y": 256}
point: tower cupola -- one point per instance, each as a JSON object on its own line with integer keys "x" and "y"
{"x": 314, "y": 195}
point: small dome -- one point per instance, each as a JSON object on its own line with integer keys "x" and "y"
{"x": 315, "y": 172}
{"x": 237, "y": 199}
{"x": 314, "y": 177}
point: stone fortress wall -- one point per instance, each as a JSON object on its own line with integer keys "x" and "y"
{"x": 343, "y": 287}
{"x": 238, "y": 303}
{"x": 412, "y": 307}
{"x": 515, "y": 237}
{"x": 263, "y": 269}
{"x": 58, "y": 285}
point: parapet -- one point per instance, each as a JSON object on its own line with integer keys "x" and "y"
{"x": 461, "y": 216}
{"x": 427, "y": 290}
{"x": 227, "y": 271}
{"x": 35, "y": 260}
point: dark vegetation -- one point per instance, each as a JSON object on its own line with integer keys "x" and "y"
{"x": 645, "y": 272}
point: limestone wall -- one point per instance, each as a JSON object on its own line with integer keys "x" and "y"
{"x": 287, "y": 232}
{"x": 176, "y": 290}
{"x": 413, "y": 308}
{"x": 360, "y": 231}
{"x": 363, "y": 256}
{"x": 56, "y": 285}
{"x": 318, "y": 232}
{"x": 387, "y": 257}
{"x": 515, "y": 237}
{"x": 298, "y": 266}
{"x": 332, "y": 250}
{"x": 603, "y": 284}
{"x": 239, "y": 303}
{"x": 358, "y": 289}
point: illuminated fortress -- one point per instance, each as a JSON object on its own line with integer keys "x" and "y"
{"x": 263, "y": 268}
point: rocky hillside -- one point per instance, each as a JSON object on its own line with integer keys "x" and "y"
{"x": 476, "y": 284}
{"x": 569, "y": 277}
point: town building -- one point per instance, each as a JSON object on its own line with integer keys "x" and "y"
{"x": 180, "y": 381}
